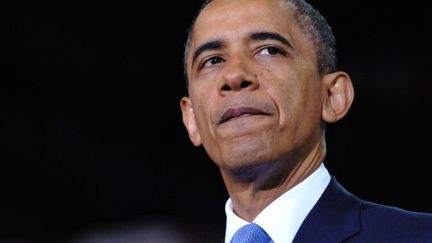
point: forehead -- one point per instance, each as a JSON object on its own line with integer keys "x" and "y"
{"x": 235, "y": 13}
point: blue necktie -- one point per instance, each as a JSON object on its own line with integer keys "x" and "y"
{"x": 251, "y": 233}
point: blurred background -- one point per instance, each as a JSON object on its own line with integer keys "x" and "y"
{"x": 93, "y": 145}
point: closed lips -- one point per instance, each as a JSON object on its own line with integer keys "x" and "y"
{"x": 233, "y": 113}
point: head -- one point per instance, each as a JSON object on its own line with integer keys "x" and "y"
{"x": 262, "y": 81}
{"x": 312, "y": 23}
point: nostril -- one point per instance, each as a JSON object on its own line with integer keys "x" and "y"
{"x": 226, "y": 87}
{"x": 245, "y": 84}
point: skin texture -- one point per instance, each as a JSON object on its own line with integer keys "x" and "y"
{"x": 257, "y": 102}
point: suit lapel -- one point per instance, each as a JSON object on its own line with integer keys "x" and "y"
{"x": 334, "y": 218}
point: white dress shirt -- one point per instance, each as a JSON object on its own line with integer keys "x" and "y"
{"x": 283, "y": 217}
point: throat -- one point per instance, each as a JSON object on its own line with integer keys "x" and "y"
{"x": 253, "y": 189}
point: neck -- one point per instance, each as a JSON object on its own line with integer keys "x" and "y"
{"x": 253, "y": 189}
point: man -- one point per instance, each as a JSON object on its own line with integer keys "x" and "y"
{"x": 263, "y": 83}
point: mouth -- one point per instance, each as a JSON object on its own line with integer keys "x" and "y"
{"x": 240, "y": 112}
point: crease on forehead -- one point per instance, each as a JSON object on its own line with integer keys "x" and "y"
{"x": 209, "y": 12}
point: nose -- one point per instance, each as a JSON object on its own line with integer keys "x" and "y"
{"x": 238, "y": 74}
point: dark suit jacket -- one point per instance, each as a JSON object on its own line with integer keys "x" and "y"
{"x": 339, "y": 216}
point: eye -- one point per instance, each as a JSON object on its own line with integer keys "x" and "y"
{"x": 271, "y": 50}
{"x": 212, "y": 61}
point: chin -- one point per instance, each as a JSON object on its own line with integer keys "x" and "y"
{"x": 242, "y": 152}
{"x": 238, "y": 158}
{"x": 244, "y": 168}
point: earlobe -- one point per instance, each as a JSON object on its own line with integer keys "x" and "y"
{"x": 189, "y": 120}
{"x": 338, "y": 97}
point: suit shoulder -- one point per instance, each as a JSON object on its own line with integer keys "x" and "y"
{"x": 379, "y": 218}
{"x": 370, "y": 209}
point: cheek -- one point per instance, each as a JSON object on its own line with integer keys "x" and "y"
{"x": 299, "y": 105}
{"x": 202, "y": 105}
{"x": 201, "y": 118}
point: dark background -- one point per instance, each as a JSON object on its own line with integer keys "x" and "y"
{"x": 91, "y": 131}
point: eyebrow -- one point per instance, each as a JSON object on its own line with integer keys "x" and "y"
{"x": 265, "y": 35}
{"x": 211, "y": 45}
{"x": 262, "y": 35}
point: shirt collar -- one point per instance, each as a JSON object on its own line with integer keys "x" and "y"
{"x": 284, "y": 216}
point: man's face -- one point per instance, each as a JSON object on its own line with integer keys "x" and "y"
{"x": 255, "y": 90}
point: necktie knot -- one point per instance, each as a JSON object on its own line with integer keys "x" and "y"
{"x": 251, "y": 233}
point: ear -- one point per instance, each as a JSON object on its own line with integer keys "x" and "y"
{"x": 189, "y": 120}
{"x": 339, "y": 95}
